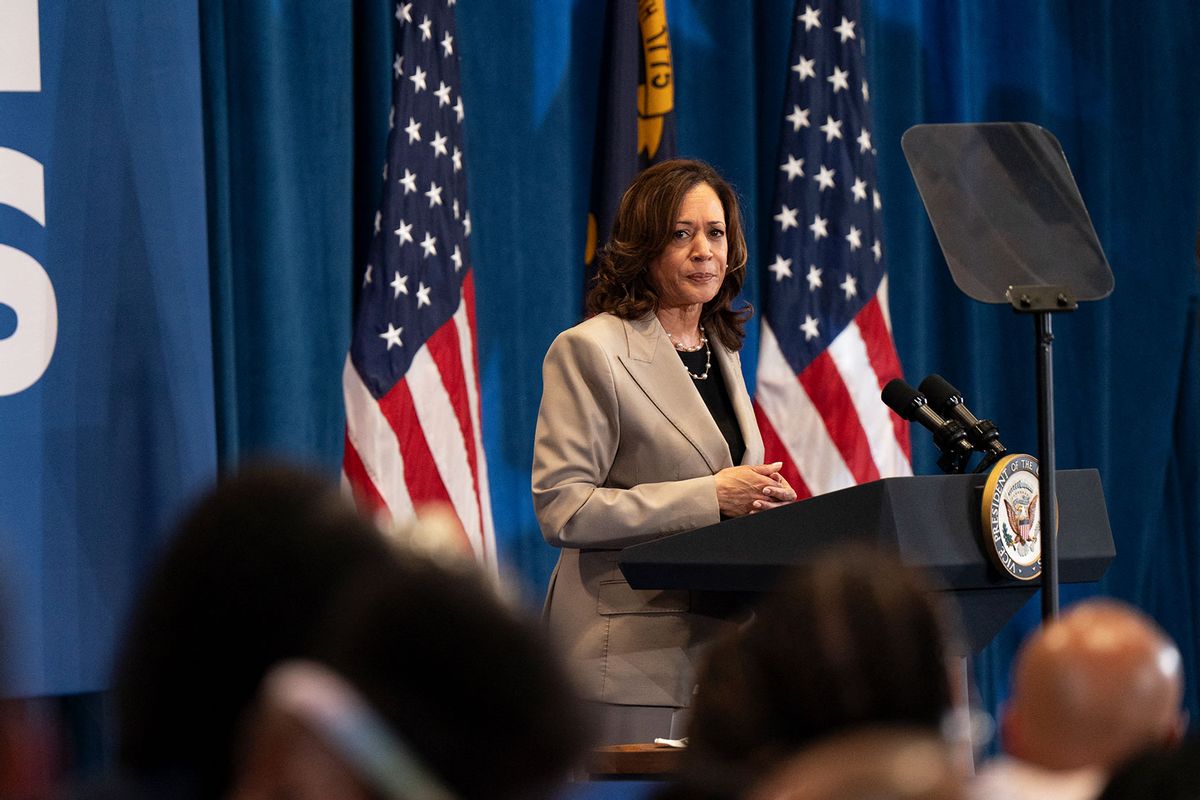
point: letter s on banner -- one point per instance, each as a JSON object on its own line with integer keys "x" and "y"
{"x": 20, "y": 48}
{"x": 24, "y": 285}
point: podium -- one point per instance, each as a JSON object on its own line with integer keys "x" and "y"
{"x": 930, "y": 522}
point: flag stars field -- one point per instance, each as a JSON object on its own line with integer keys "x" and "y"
{"x": 781, "y": 268}
{"x": 819, "y": 227}
{"x": 859, "y": 190}
{"x": 439, "y": 144}
{"x": 826, "y": 348}
{"x": 798, "y": 118}
{"x": 434, "y": 194}
{"x": 832, "y": 129}
{"x": 787, "y": 218}
{"x": 392, "y": 336}
{"x": 404, "y": 233}
{"x": 845, "y": 30}
{"x": 794, "y": 167}
{"x": 813, "y": 277}
{"x": 418, "y": 79}
{"x": 839, "y": 79}
{"x": 824, "y": 178}
{"x": 854, "y": 237}
{"x": 864, "y": 141}
{"x": 409, "y": 181}
{"x": 429, "y": 245}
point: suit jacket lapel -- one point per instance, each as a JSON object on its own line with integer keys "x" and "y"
{"x": 657, "y": 370}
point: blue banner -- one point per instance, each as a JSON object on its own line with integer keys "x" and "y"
{"x": 106, "y": 388}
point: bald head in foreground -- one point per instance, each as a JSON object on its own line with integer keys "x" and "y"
{"x": 1098, "y": 686}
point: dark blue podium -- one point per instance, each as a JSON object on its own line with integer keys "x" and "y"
{"x": 931, "y": 522}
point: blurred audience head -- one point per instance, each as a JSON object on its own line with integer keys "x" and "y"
{"x": 868, "y": 764}
{"x": 240, "y": 586}
{"x": 424, "y": 685}
{"x": 1093, "y": 688}
{"x": 853, "y": 639}
{"x": 1158, "y": 774}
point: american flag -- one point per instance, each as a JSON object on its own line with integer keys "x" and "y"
{"x": 411, "y": 380}
{"x": 826, "y": 347}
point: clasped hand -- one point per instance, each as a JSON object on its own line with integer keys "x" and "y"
{"x": 752, "y": 488}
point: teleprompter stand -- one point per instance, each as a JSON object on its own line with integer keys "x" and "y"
{"x": 1013, "y": 229}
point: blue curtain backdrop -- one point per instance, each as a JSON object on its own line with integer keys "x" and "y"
{"x": 295, "y": 100}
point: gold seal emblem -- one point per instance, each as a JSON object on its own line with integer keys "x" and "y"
{"x": 1012, "y": 526}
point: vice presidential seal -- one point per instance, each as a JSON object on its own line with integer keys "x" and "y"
{"x": 1012, "y": 525}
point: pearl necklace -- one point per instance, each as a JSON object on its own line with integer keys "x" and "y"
{"x": 685, "y": 349}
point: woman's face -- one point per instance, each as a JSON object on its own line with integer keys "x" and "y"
{"x": 692, "y": 267}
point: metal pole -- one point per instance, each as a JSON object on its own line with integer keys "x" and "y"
{"x": 1048, "y": 504}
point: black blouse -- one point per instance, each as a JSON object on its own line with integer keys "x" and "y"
{"x": 716, "y": 396}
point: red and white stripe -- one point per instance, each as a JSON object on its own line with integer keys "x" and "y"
{"x": 827, "y": 424}
{"x": 421, "y": 442}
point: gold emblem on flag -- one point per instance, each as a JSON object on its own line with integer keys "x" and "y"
{"x": 656, "y": 97}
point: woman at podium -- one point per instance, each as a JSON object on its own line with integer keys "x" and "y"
{"x": 646, "y": 429}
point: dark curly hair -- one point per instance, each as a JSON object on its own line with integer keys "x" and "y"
{"x": 855, "y": 638}
{"x": 642, "y": 231}
{"x": 240, "y": 587}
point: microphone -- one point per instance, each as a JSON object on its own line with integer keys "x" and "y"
{"x": 910, "y": 404}
{"x": 948, "y": 402}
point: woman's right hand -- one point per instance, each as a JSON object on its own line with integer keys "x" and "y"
{"x": 738, "y": 488}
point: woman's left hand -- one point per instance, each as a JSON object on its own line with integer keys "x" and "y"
{"x": 780, "y": 493}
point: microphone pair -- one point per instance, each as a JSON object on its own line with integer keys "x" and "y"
{"x": 938, "y": 407}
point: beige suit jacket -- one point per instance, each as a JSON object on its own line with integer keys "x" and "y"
{"x": 625, "y": 451}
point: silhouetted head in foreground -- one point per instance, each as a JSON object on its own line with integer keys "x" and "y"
{"x": 853, "y": 639}
{"x": 1092, "y": 689}
{"x": 249, "y": 573}
{"x": 424, "y": 685}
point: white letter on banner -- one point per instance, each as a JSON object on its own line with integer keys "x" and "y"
{"x": 24, "y": 285}
{"x": 26, "y": 288}
{"x": 20, "y": 50}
